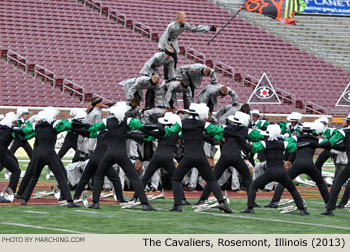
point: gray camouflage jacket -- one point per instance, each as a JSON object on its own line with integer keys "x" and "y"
{"x": 170, "y": 90}
{"x": 211, "y": 93}
{"x": 193, "y": 74}
{"x": 174, "y": 30}
{"x": 159, "y": 59}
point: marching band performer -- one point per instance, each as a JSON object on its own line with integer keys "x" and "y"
{"x": 304, "y": 162}
{"x": 117, "y": 127}
{"x": 275, "y": 171}
{"x": 192, "y": 129}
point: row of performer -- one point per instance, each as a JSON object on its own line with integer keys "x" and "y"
{"x": 286, "y": 148}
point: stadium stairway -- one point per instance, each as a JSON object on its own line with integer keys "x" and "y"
{"x": 252, "y": 51}
{"x": 21, "y": 89}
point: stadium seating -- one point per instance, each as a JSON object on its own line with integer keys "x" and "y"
{"x": 96, "y": 53}
{"x": 21, "y": 89}
{"x": 245, "y": 47}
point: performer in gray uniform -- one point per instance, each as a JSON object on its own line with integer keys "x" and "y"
{"x": 133, "y": 88}
{"x": 174, "y": 29}
{"x": 194, "y": 73}
{"x": 164, "y": 59}
{"x": 170, "y": 91}
{"x": 86, "y": 146}
{"x": 209, "y": 95}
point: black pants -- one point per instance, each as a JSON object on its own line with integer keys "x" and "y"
{"x": 65, "y": 148}
{"x": 160, "y": 160}
{"x": 16, "y": 145}
{"x": 28, "y": 175}
{"x": 337, "y": 185}
{"x": 8, "y": 160}
{"x": 322, "y": 158}
{"x": 89, "y": 172}
{"x": 346, "y": 194}
{"x": 199, "y": 161}
{"x": 274, "y": 174}
{"x": 45, "y": 156}
{"x": 302, "y": 166}
{"x": 111, "y": 157}
{"x": 229, "y": 159}
{"x": 25, "y": 145}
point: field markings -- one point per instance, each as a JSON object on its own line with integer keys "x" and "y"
{"x": 281, "y": 221}
{"x": 40, "y": 227}
{"x": 85, "y": 211}
{"x": 36, "y": 212}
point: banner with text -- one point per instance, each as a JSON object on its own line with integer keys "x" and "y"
{"x": 339, "y": 7}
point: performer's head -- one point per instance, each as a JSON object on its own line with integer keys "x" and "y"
{"x": 223, "y": 91}
{"x": 155, "y": 79}
{"x": 181, "y": 17}
{"x": 206, "y": 71}
{"x": 169, "y": 50}
{"x": 23, "y": 112}
{"x": 294, "y": 118}
{"x": 255, "y": 114}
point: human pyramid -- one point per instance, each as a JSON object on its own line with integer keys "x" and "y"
{"x": 159, "y": 132}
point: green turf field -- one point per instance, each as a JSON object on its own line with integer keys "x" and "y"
{"x": 38, "y": 219}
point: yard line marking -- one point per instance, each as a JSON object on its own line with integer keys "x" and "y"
{"x": 37, "y": 212}
{"x": 40, "y": 227}
{"x": 282, "y": 221}
{"x": 85, "y": 211}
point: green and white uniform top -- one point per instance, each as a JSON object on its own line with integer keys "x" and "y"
{"x": 329, "y": 132}
{"x": 133, "y": 124}
{"x": 22, "y": 124}
{"x": 337, "y": 136}
{"x": 295, "y": 130}
{"x": 289, "y": 146}
{"x": 260, "y": 124}
{"x": 58, "y": 126}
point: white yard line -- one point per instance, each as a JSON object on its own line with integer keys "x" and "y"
{"x": 36, "y": 212}
{"x": 85, "y": 211}
{"x": 281, "y": 221}
{"x": 40, "y": 227}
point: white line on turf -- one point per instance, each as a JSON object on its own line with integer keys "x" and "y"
{"x": 85, "y": 211}
{"x": 40, "y": 227}
{"x": 281, "y": 221}
{"x": 36, "y": 212}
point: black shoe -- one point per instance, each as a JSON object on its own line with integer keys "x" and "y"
{"x": 176, "y": 209}
{"x": 192, "y": 189}
{"x": 122, "y": 200}
{"x": 17, "y": 196}
{"x": 200, "y": 202}
{"x": 256, "y": 205}
{"x": 224, "y": 207}
{"x": 248, "y": 210}
{"x": 328, "y": 212}
{"x": 148, "y": 207}
{"x": 134, "y": 199}
{"x": 95, "y": 205}
{"x": 71, "y": 204}
{"x": 272, "y": 204}
{"x": 304, "y": 212}
{"x": 62, "y": 198}
{"x": 4, "y": 200}
{"x": 153, "y": 189}
{"x": 24, "y": 202}
{"x": 185, "y": 202}
{"x": 340, "y": 205}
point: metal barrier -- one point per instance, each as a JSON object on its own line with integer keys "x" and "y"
{"x": 143, "y": 28}
{"x": 74, "y": 90}
{"x": 191, "y": 51}
{"x": 311, "y": 105}
{"x": 220, "y": 65}
{"x": 51, "y": 77}
{"x": 93, "y": 4}
{"x": 117, "y": 16}
{"x": 10, "y": 57}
